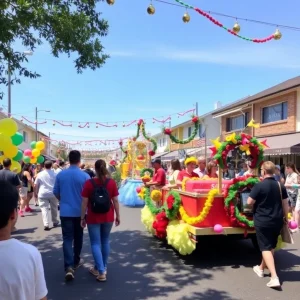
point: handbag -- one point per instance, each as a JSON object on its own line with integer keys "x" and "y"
{"x": 285, "y": 233}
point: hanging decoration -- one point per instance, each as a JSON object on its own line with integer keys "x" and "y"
{"x": 123, "y": 150}
{"x": 243, "y": 143}
{"x": 236, "y": 27}
{"x": 236, "y": 218}
{"x": 205, "y": 211}
{"x": 151, "y": 9}
{"x": 145, "y": 171}
{"x": 186, "y": 18}
{"x": 174, "y": 139}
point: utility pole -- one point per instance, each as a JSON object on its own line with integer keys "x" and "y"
{"x": 9, "y": 91}
{"x": 49, "y": 144}
{"x": 36, "y": 124}
{"x": 196, "y": 108}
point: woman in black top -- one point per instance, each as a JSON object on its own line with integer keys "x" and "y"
{"x": 26, "y": 190}
{"x": 270, "y": 201}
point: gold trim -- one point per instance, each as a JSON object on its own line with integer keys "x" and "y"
{"x": 210, "y": 231}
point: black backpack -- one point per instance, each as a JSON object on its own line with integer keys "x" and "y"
{"x": 100, "y": 199}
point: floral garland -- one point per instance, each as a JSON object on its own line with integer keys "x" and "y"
{"x": 154, "y": 210}
{"x": 172, "y": 204}
{"x": 244, "y": 143}
{"x": 147, "y": 170}
{"x": 156, "y": 195}
{"x": 236, "y": 217}
{"x": 141, "y": 127}
{"x": 205, "y": 211}
{"x": 174, "y": 139}
{"x": 124, "y": 151}
{"x": 185, "y": 179}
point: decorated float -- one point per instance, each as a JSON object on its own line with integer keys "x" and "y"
{"x": 206, "y": 207}
{"x": 135, "y": 167}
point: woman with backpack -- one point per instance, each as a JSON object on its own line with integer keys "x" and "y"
{"x": 99, "y": 205}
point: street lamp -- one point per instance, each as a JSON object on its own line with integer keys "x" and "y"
{"x": 28, "y": 53}
{"x": 36, "y": 120}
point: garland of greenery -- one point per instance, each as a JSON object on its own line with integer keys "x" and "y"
{"x": 230, "y": 204}
{"x": 148, "y": 201}
{"x": 172, "y": 204}
{"x": 244, "y": 143}
{"x": 175, "y": 140}
{"x": 147, "y": 170}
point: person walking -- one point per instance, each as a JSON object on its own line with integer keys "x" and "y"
{"x": 67, "y": 189}
{"x": 25, "y": 191}
{"x": 270, "y": 201}
{"x": 43, "y": 191}
{"x": 100, "y": 224}
{"x": 7, "y": 175}
{"x": 22, "y": 273}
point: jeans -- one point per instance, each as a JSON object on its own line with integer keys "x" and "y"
{"x": 72, "y": 232}
{"x": 99, "y": 237}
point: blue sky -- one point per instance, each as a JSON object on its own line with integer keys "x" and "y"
{"x": 160, "y": 66}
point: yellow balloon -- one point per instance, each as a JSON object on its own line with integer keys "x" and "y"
{"x": 36, "y": 152}
{"x": 8, "y": 127}
{"x": 15, "y": 167}
{"x": 40, "y": 145}
{"x": 2, "y": 157}
{"x": 33, "y": 160}
{"x": 11, "y": 152}
{"x": 5, "y": 142}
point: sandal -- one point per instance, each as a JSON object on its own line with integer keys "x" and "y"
{"x": 101, "y": 277}
{"x": 94, "y": 272}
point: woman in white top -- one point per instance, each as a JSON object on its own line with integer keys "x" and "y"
{"x": 292, "y": 178}
{"x": 175, "y": 169}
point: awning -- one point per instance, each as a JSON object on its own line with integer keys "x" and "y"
{"x": 282, "y": 144}
{"x": 199, "y": 151}
{"x": 157, "y": 155}
{"x": 49, "y": 157}
{"x": 170, "y": 156}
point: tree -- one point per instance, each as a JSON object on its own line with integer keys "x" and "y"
{"x": 68, "y": 26}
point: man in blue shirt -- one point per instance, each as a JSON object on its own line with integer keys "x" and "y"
{"x": 67, "y": 189}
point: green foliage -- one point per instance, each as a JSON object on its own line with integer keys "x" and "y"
{"x": 68, "y": 26}
{"x": 116, "y": 176}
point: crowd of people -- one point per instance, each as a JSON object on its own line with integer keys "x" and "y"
{"x": 85, "y": 200}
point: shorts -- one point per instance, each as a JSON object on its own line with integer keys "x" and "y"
{"x": 267, "y": 237}
{"x": 297, "y": 207}
{"x": 23, "y": 191}
{"x": 292, "y": 199}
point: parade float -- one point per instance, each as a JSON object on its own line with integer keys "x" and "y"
{"x": 206, "y": 207}
{"x": 135, "y": 165}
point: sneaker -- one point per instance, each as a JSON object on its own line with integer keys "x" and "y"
{"x": 101, "y": 278}
{"x": 94, "y": 272}
{"x": 21, "y": 213}
{"x": 28, "y": 209}
{"x": 274, "y": 283}
{"x": 81, "y": 262}
{"x": 46, "y": 228}
{"x": 69, "y": 274}
{"x": 259, "y": 272}
{"x": 56, "y": 224}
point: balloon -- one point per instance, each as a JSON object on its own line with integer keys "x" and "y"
{"x": 19, "y": 156}
{"x": 33, "y": 145}
{"x": 17, "y": 139}
{"x": 40, "y": 145}
{"x": 26, "y": 159}
{"x": 15, "y": 167}
{"x": 5, "y": 142}
{"x": 293, "y": 225}
{"x": 8, "y": 127}
{"x": 2, "y": 157}
{"x": 11, "y": 152}
{"x": 40, "y": 159}
{"x": 36, "y": 152}
{"x": 28, "y": 152}
{"x": 33, "y": 160}
{"x": 218, "y": 228}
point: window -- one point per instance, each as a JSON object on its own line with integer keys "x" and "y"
{"x": 25, "y": 136}
{"x": 164, "y": 141}
{"x": 189, "y": 131}
{"x": 237, "y": 123}
{"x": 275, "y": 113}
{"x": 159, "y": 142}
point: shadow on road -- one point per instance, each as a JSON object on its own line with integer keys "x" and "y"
{"x": 142, "y": 267}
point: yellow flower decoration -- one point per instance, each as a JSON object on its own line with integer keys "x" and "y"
{"x": 156, "y": 195}
{"x": 191, "y": 160}
{"x": 253, "y": 124}
{"x": 231, "y": 138}
{"x": 142, "y": 193}
{"x": 245, "y": 148}
{"x": 205, "y": 211}
{"x": 216, "y": 143}
{"x": 185, "y": 179}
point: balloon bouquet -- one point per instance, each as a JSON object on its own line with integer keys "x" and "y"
{"x": 33, "y": 155}
{"x": 10, "y": 139}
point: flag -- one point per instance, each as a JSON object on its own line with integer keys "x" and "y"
{"x": 202, "y": 138}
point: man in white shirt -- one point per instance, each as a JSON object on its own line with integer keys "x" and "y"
{"x": 44, "y": 185}
{"x": 22, "y": 273}
{"x": 201, "y": 170}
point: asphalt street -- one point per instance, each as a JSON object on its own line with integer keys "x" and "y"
{"x": 142, "y": 267}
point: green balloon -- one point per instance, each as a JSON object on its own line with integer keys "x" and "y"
{"x": 40, "y": 159}
{"x": 32, "y": 145}
{"x": 17, "y": 139}
{"x": 26, "y": 159}
{"x": 19, "y": 156}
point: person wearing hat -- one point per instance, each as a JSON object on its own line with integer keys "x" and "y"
{"x": 159, "y": 178}
{"x": 278, "y": 176}
{"x": 112, "y": 167}
{"x": 190, "y": 164}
